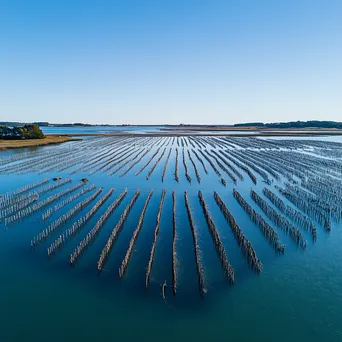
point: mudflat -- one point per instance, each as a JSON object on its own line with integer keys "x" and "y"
{"x": 48, "y": 140}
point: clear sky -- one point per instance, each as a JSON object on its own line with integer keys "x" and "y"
{"x": 170, "y": 61}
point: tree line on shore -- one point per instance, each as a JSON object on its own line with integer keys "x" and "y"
{"x": 21, "y": 132}
{"x": 293, "y": 124}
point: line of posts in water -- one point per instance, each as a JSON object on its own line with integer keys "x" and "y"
{"x": 295, "y": 215}
{"x": 53, "y": 226}
{"x": 155, "y": 237}
{"x": 244, "y": 244}
{"x": 78, "y": 225}
{"x": 279, "y": 220}
{"x": 115, "y": 232}
{"x": 166, "y": 164}
{"x": 268, "y": 232}
{"x": 155, "y": 164}
{"x": 38, "y": 205}
{"x": 199, "y": 266}
{"x": 134, "y": 238}
{"x": 66, "y": 201}
{"x": 226, "y": 265}
{"x": 174, "y": 244}
{"x": 78, "y": 251}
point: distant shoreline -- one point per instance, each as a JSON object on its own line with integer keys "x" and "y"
{"x": 247, "y": 129}
{"x": 288, "y": 133}
{"x": 52, "y": 139}
{"x": 292, "y": 125}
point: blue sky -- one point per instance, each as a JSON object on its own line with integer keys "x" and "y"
{"x": 170, "y": 61}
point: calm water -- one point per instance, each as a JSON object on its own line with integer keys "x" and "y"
{"x": 320, "y": 138}
{"x": 297, "y": 297}
{"x": 153, "y": 129}
{"x": 129, "y": 129}
{"x": 99, "y": 129}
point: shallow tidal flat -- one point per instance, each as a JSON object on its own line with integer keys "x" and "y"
{"x": 173, "y": 237}
{"x": 48, "y": 140}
